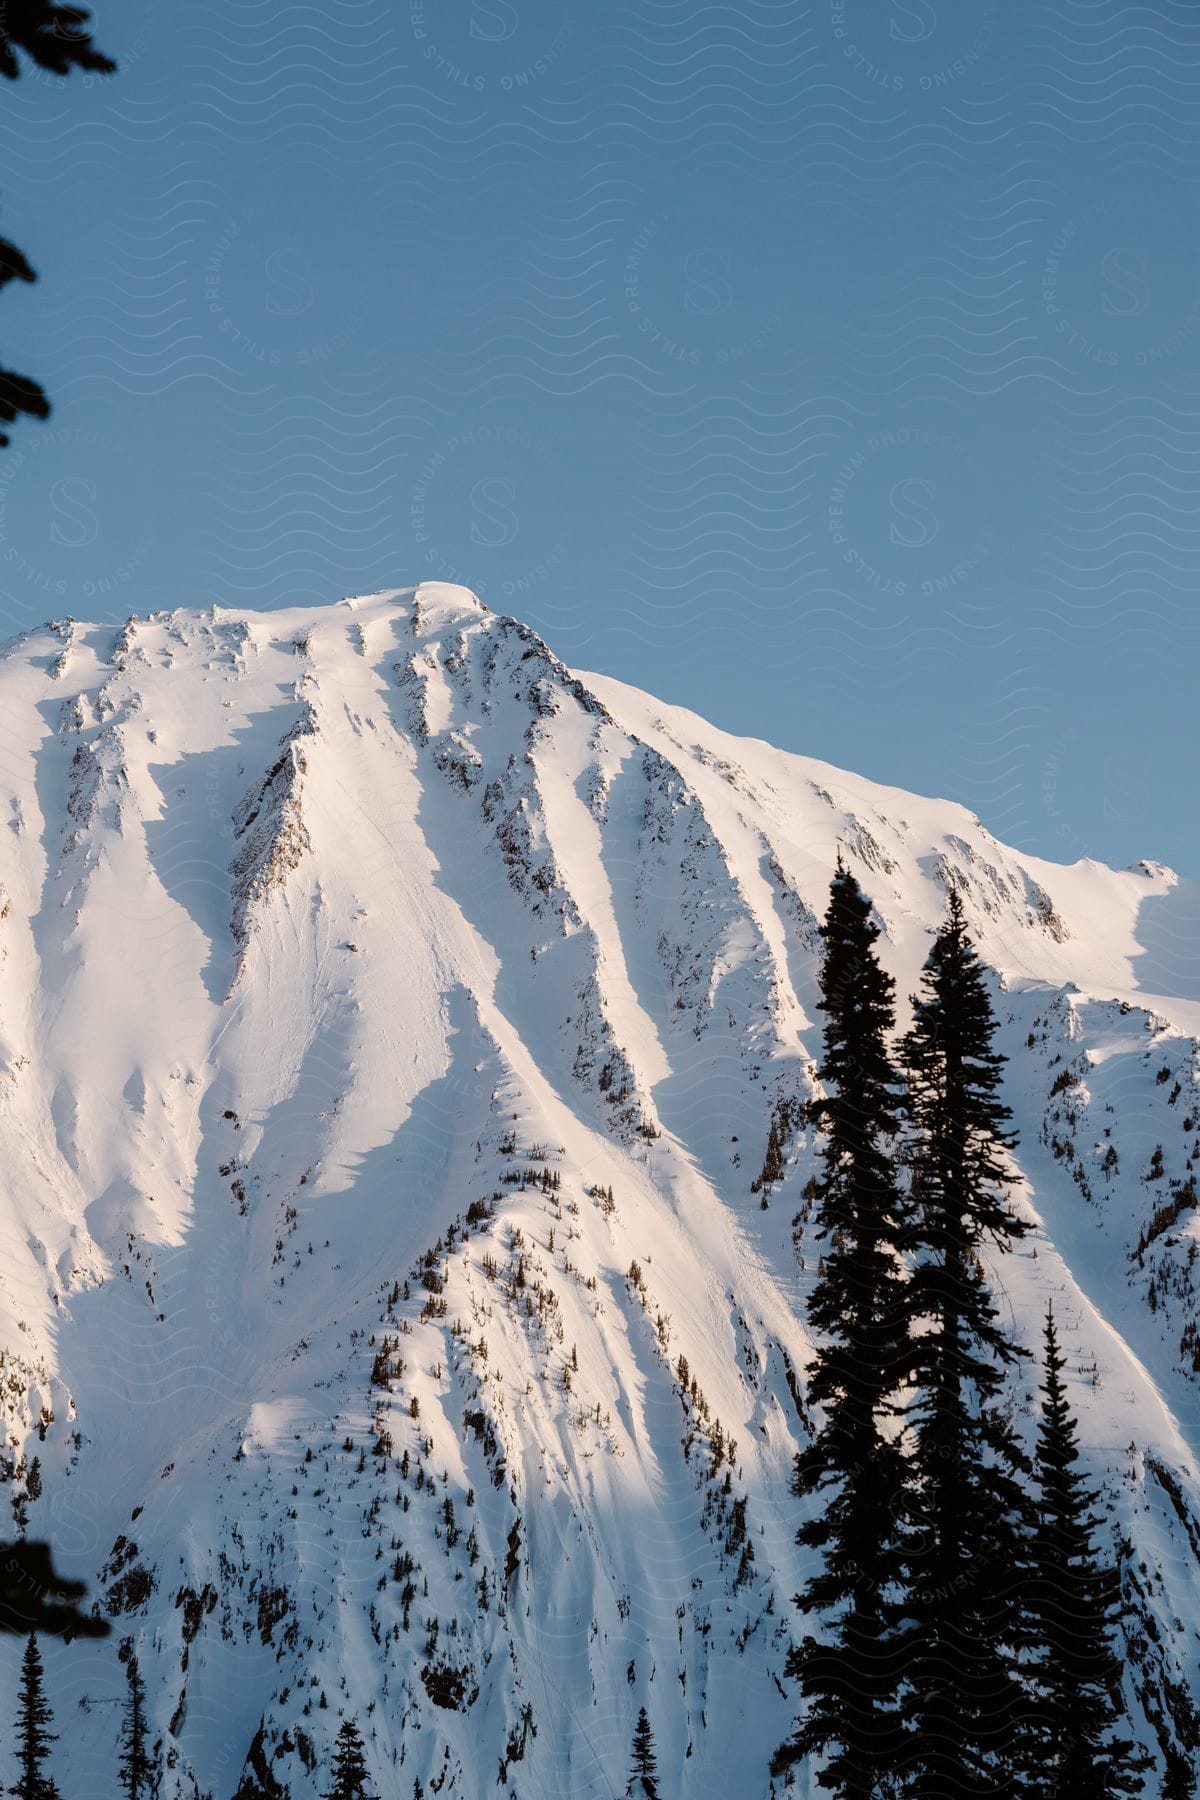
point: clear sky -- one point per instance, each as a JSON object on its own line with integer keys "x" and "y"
{"x": 833, "y": 371}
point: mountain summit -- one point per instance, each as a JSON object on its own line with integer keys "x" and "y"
{"x": 396, "y": 1293}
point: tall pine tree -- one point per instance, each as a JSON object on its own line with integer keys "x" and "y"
{"x": 854, "y": 1466}
{"x": 643, "y": 1776}
{"x": 137, "y": 1768}
{"x": 350, "y": 1778}
{"x": 33, "y": 1734}
{"x": 1074, "y": 1605}
{"x": 968, "y": 1518}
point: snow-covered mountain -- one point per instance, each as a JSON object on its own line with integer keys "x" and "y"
{"x": 391, "y": 1026}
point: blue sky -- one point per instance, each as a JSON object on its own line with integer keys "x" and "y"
{"x": 833, "y": 371}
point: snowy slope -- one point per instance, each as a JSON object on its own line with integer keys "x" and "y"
{"x": 348, "y": 958}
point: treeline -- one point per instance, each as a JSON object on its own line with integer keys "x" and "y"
{"x": 966, "y": 1612}
{"x": 138, "y": 1770}
{"x": 139, "y": 1767}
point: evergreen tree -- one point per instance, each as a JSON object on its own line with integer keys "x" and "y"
{"x": 643, "y": 1779}
{"x": 137, "y": 1767}
{"x": 33, "y": 1734}
{"x": 967, "y": 1513}
{"x": 1074, "y": 1604}
{"x": 854, "y": 1466}
{"x": 773, "y": 1160}
{"x": 350, "y": 1777}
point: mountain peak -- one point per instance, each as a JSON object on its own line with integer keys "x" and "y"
{"x": 393, "y": 1022}
{"x": 440, "y": 605}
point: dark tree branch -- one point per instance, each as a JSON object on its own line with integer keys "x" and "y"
{"x": 34, "y": 1598}
{"x": 13, "y": 265}
{"x": 53, "y": 37}
{"x": 20, "y": 395}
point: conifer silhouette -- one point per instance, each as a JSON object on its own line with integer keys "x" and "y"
{"x": 350, "y": 1778}
{"x": 33, "y": 1735}
{"x": 643, "y": 1779}
{"x": 1074, "y": 1604}
{"x": 137, "y": 1769}
{"x": 968, "y": 1512}
{"x": 854, "y": 1466}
